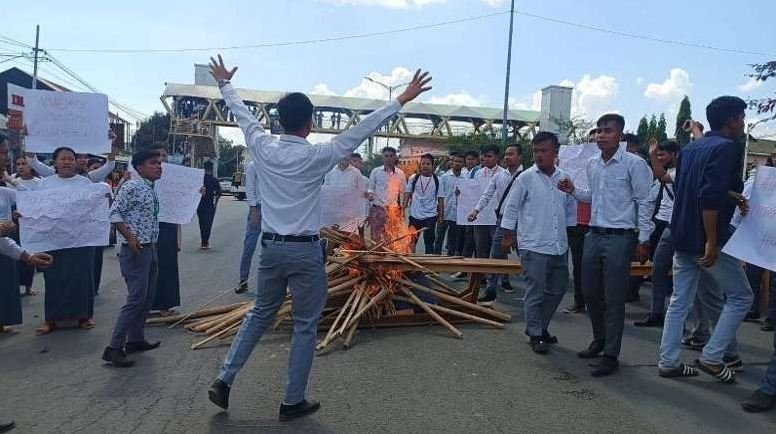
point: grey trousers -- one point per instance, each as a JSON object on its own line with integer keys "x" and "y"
{"x": 546, "y": 278}
{"x": 140, "y": 275}
{"x": 298, "y": 266}
{"x": 605, "y": 276}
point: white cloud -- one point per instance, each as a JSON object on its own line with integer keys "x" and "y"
{"x": 392, "y": 4}
{"x": 592, "y": 97}
{"x": 494, "y": 3}
{"x": 462, "y": 98}
{"x": 639, "y": 81}
{"x": 322, "y": 89}
{"x": 370, "y": 89}
{"x": 673, "y": 89}
{"x": 532, "y": 102}
{"x": 750, "y": 85}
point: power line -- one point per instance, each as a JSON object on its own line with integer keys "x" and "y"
{"x": 11, "y": 41}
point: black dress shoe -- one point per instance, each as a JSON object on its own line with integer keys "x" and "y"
{"x": 139, "y": 347}
{"x": 759, "y": 401}
{"x": 116, "y": 357}
{"x": 651, "y": 320}
{"x": 607, "y": 366}
{"x": 538, "y": 346}
{"x": 593, "y": 351}
{"x": 288, "y": 412}
{"x": 219, "y": 394}
{"x": 752, "y": 317}
{"x": 6, "y": 426}
{"x": 507, "y": 286}
{"x": 767, "y": 325}
{"x": 547, "y": 337}
{"x": 242, "y": 287}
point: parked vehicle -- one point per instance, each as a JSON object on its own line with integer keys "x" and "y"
{"x": 238, "y": 185}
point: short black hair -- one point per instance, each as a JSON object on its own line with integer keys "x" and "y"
{"x": 62, "y": 149}
{"x": 611, "y": 117}
{"x": 158, "y": 147}
{"x": 140, "y": 157}
{"x": 722, "y": 109}
{"x": 207, "y": 165}
{"x": 388, "y": 149}
{"x": 490, "y": 148}
{"x": 669, "y": 146}
{"x": 427, "y": 156}
{"x": 592, "y": 131}
{"x": 95, "y": 160}
{"x": 631, "y": 138}
{"x": 295, "y": 110}
{"x": 356, "y": 155}
{"x": 472, "y": 154}
{"x": 455, "y": 154}
{"x": 516, "y": 146}
{"x": 543, "y": 136}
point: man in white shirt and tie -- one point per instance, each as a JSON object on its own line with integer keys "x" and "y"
{"x": 293, "y": 256}
{"x": 620, "y": 184}
{"x": 253, "y": 227}
{"x": 386, "y": 189}
{"x": 541, "y": 214}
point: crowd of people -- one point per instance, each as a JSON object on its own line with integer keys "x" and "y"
{"x": 674, "y": 206}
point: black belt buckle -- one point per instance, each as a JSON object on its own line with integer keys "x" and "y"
{"x": 609, "y": 231}
{"x": 290, "y": 238}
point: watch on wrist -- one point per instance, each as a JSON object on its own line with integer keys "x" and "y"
{"x": 223, "y": 82}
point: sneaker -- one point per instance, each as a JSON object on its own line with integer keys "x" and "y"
{"x": 734, "y": 364}
{"x": 538, "y": 346}
{"x": 650, "y": 320}
{"x": 691, "y": 343}
{"x": 680, "y": 371}
{"x": 487, "y": 299}
{"x": 242, "y": 287}
{"x": 767, "y": 325}
{"x": 507, "y": 286}
{"x": 219, "y": 394}
{"x": 288, "y": 412}
{"x": 574, "y": 309}
{"x": 547, "y": 337}
{"x": 116, "y": 357}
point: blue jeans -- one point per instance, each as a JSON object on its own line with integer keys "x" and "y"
{"x": 728, "y": 274}
{"x": 662, "y": 283}
{"x": 768, "y": 384}
{"x": 546, "y": 279}
{"x": 249, "y": 246}
{"x": 298, "y": 266}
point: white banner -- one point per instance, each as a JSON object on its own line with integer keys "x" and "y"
{"x": 342, "y": 206}
{"x": 64, "y": 218}
{"x": 573, "y": 160}
{"x": 178, "y": 191}
{"x": 75, "y": 120}
{"x": 755, "y": 239}
{"x": 471, "y": 190}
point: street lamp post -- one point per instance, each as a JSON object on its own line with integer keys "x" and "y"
{"x": 390, "y": 90}
{"x": 506, "y": 85}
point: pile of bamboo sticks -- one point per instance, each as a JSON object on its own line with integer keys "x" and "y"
{"x": 370, "y": 285}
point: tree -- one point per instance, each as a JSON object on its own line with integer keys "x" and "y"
{"x": 685, "y": 114}
{"x": 660, "y": 133}
{"x": 474, "y": 141}
{"x": 763, "y": 72}
{"x": 228, "y": 155}
{"x": 643, "y": 131}
{"x": 652, "y": 131}
{"x": 152, "y": 131}
{"x": 575, "y": 129}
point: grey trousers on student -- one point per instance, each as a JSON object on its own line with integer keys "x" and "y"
{"x": 605, "y": 275}
{"x": 298, "y": 266}
{"x": 546, "y": 278}
{"x": 140, "y": 275}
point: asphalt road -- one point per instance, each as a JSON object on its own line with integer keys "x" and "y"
{"x": 394, "y": 381}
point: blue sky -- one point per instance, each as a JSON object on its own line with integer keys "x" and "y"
{"x": 609, "y": 72}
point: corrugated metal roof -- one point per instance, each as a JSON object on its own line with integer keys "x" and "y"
{"x": 455, "y": 112}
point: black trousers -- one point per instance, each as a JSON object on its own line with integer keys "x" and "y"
{"x": 468, "y": 242}
{"x": 454, "y": 235}
{"x": 576, "y": 237}
{"x": 429, "y": 235}
{"x": 206, "y": 215}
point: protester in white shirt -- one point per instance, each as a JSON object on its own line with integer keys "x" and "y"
{"x": 349, "y": 178}
{"x": 541, "y": 214}
{"x": 386, "y": 188}
{"x": 425, "y": 196}
{"x": 253, "y": 225}
{"x": 448, "y": 225}
{"x": 293, "y": 257}
{"x": 619, "y": 194}
{"x": 357, "y": 162}
{"x": 488, "y": 238}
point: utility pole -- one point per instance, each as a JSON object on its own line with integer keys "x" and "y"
{"x": 35, "y": 53}
{"x": 504, "y": 131}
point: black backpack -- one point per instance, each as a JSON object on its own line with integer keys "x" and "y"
{"x": 436, "y": 184}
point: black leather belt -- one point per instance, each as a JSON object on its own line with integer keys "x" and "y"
{"x": 610, "y": 231}
{"x": 290, "y": 238}
{"x": 141, "y": 245}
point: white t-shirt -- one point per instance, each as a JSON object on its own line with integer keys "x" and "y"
{"x": 424, "y": 198}
{"x": 667, "y": 202}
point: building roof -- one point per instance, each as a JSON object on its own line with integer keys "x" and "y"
{"x": 761, "y": 146}
{"x": 454, "y": 112}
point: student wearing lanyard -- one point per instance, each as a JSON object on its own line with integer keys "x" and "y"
{"x": 135, "y": 212}
{"x": 293, "y": 256}
{"x": 619, "y": 196}
{"x": 425, "y": 198}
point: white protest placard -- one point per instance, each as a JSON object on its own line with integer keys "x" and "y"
{"x": 75, "y": 120}
{"x": 754, "y": 241}
{"x": 64, "y": 218}
{"x": 573, "y": 160}
{"x": 178, "y": 193}
{"x": 471, "y": 190}
{"x": 342, "y": 206}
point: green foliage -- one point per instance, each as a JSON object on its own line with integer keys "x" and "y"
{"x": 643, "y": 131}
{"x": 228, "y": 156}
{"x": 575, "y": 129}
{"x": 685, "y": 113}
{"x": 474, "y": 141}
{"x": 372, "y": 161}
{"x": 763, "y": 72}
{"x": 652, "y": 131}
{"x": 660, "y": 133}
{"x": 152, "y": 131}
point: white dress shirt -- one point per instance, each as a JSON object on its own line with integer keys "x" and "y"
{"x": 7, "y": 201}
{"x": 541, "y": 212}
{"x": 292, "y": 170}
{"x": 666, "y": 207}
{"x": 97, "y": 175}
{"x": 9, "y": 248}
{"x": 386, "y": 186}
{"x": 350, "y": 178}
{"x": 450, "y": 182}
{"x": 499, "y": 180}
{"x": 619, "y": 193}
{"x": 424, "y": 200}
{"x": 252, "y": 185}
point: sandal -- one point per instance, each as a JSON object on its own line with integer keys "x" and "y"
{"x": 44, "y": 329}
{"x": 86, "y": 324}
{"x": 682, "y": 370}
{"x": 6, "y": 330}
{"x": 167, "y": 312}
{"x": 720, "y": 372}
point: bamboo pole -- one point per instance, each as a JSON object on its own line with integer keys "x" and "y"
{"x": 216, "y": 336}
{"x": 457, "y": 333}
{"x": 449, "y": 298}
{"x": 372, "y": 302}
{"x": 228, "y": 321}
{"x": 457, "y": 313}
{"x": 330, "y": 335}
{"x": 203, "y": 313}
{"x": 352, "y": 332}
{"x": 361, "y": 294}
{"x": 208, "y": 303}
